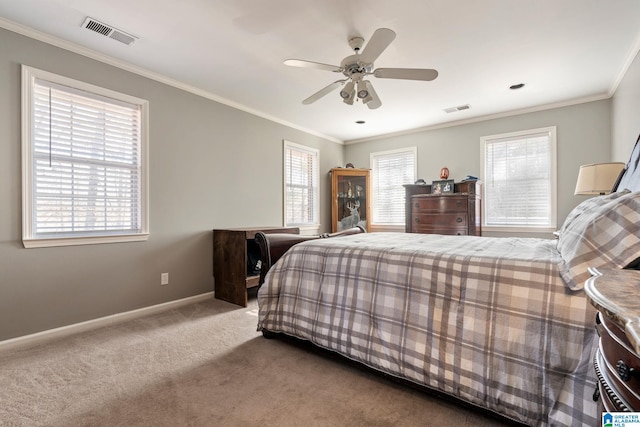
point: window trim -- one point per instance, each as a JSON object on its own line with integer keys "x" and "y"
{"x": 29, "y": 75}
{"x": 551, "y": 130}
{"x": 315, "y": 225}
{"x": 383, "y": 225}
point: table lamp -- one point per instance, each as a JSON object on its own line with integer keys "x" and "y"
{"x": 597, "y": 178}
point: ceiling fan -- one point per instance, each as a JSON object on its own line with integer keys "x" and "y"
{"x": 359, "y": 65}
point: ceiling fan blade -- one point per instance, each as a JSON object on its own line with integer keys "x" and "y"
{"x": 406, "y": 73}
{"x": 380, "y": 40}
{"x": 322, "y": 92}
{"x": 375, "y": 100}
{"x": 310, "y": 64}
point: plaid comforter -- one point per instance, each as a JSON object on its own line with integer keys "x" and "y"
{"x": 488, "y": 320}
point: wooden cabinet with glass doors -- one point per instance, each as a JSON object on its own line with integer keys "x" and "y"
{"x": 350, "y": 198}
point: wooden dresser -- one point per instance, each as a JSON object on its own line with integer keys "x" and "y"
{"x": 457, "y": 213}
{"x": 617, "y": 362}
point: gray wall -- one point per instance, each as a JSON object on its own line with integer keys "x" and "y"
{"x": 583, "y": 136}
{"x": 625, "y": 113}
{"x": 211, "y": 166}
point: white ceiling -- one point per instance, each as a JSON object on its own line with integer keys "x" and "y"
{"x": 565, "y": 51}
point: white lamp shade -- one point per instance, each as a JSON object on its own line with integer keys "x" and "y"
{"x": 597, "y": 178}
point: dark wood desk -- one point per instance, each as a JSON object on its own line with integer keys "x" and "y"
{"x": 232, "y": 249}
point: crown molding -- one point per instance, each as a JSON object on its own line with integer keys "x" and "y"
{"x": 90, "y": 53}
{"x": 482, "y": 118}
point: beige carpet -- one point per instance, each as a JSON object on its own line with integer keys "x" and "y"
{"x": 203, "y": 365}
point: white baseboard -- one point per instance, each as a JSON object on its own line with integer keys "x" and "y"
{"x": 64, "y": 331}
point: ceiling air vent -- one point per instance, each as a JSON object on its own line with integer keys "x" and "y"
{"x": 108, "y": 31}
{"x": 458, "y": 108}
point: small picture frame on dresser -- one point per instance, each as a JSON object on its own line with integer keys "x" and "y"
{"x": 442, "y": 187}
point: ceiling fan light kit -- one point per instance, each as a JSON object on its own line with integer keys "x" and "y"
{"x": 362, "y": 90}
{"x": 348, "y": 93}
{"x": 356, "y": 67}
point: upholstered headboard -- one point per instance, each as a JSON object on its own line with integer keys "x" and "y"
{"x": 630, "y": 176}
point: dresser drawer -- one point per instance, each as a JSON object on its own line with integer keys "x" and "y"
{"x": 609, "y": 400}
{"x": 440, "y": 230}
{"x": 622, "y": 363}
{"x": 425, "y": 203}
{"x": 611, "y": 328}
{"x": 449, "y": 220}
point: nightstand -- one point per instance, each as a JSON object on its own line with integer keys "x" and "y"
{"x": 615, "y": 293}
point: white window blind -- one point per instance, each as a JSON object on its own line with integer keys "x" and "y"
{"x": 301, "y": 185}
{"x": 390, "y": 171}
{"x": 85, "y": 169}
{"x": 519, "y": 173}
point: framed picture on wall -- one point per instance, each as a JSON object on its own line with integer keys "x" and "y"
{"x": 442, "y": 186}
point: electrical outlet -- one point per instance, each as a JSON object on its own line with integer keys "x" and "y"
{"x": 164, "y": 279}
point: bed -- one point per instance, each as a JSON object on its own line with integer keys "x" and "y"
{"x": 499, "y": 323}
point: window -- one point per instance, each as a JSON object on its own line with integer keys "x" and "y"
{"x": 301, "y": 199}
{"x": 84, "y": 153}
{"x": 390, "y": 171}
{"x": 519, "y": 174}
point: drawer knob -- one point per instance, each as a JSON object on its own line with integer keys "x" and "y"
{"x": 458, "y": 219}
{"x": 417, "y": 204}
{"x": 418, "y": 220}
{"x": 624, "y": 371}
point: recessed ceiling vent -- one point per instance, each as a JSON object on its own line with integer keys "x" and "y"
{"x": 458, "y": 108}
{"x": 108, "y": 31}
